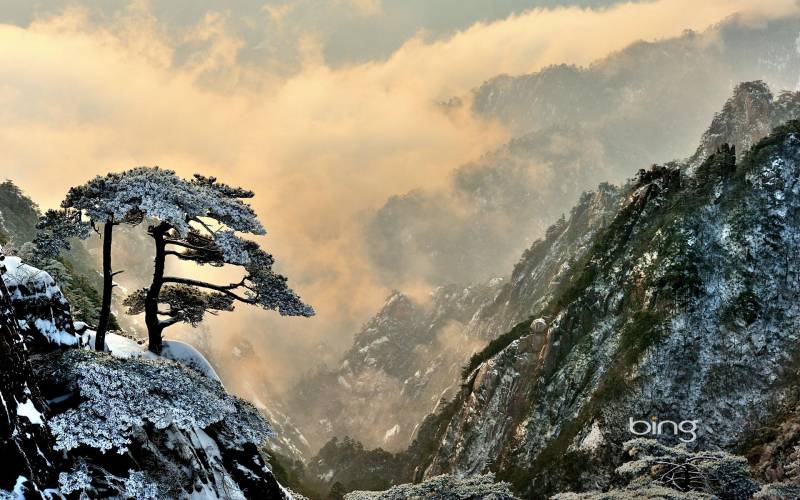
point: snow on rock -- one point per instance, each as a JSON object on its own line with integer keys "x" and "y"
{"x": 187, "y": 355}
{"x": 125, "y": 347}
{"x": 25, "y": 444}
{"x": 42, "y": 312}
{"x": 686, "y": 309}
{"x": 391, "y": 433}
{"x": 24, "y": 281}
{"x": 176, "y": 432}
{"x": 593, "y": 440}
{"x": 29, "y": 411}
{"x": 131, "y": 425}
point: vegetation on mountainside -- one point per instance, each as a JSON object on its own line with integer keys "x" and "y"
{"x": 74, "y": 270}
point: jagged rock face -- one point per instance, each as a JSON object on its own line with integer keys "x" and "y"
{"x": 685, "y": 308}
{"x": 42, "y": 312}
{"x": 746, "y": 118}
{"x": 401, "y": 363}
{"x": 25, "y": 443}
{"x": 546, "y": 264}
{"x": 409, "y": 355}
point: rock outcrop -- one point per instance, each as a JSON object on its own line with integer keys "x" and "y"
{"x": 402, "y": 362}
{"x": 42, "y": 312}
{"x": 25, "y": 442}
{"x": 80, "y": 423}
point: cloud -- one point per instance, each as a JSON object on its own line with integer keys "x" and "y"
{"x": 362, "y": 7}
{"x": 321, "y": 147}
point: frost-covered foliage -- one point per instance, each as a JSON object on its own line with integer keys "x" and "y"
{"x": 653, "y": 492}
{"x": 102, "y": 200}
{"x": 196, "y": 221}
{"x": 83, "y": 477}
{"x": 55, "y": 230}
{"x": 76, "y": 480}
{"x": 659, "y": 471}
{"x": 119, "y": 396}
{"x": 183, "y": 302}
{"x": 152, "y": 192}
{"x": 716, "y": 473}
{"x": 140, "y": 487}
{"x": 444, "y": 487}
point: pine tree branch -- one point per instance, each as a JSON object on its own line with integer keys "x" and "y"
{"x": 169, "y": 322}
{"x": 189, "y": 245}
{"x": 189, "y": 257}
{"x": 225, "y": 289}
{"x": 205, "y": 226}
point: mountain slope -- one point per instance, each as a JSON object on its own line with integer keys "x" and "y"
{"x": 685, "y": 308}
{"x": 677, "y": 300}
{"x": 401, "y": 363}
{"x": 409, "y": 356}
{"x": 572, "y": 128}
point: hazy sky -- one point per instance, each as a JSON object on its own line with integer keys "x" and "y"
{"x": 350, "y": 30}
{"x": 323, "y": 108}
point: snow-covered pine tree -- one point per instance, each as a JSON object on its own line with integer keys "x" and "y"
{"x": 101, "y": 202}
{"x": 197, "y": 221}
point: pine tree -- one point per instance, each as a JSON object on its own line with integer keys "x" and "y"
{"x": 197, "y": 221}
{"x": 99, "y": 203}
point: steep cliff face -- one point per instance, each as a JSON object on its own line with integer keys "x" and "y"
{"x": 683, "y": 309}
{"x": 747, "y": 117}
{"x": 402, "y": 362}
{"x": 26, "y": 444}
{"x": 409, "y": 356}
{"x": 42, "y": 312}
{"x": 544, "y": 267}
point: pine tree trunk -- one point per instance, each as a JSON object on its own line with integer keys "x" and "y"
{"x": 108, "y": 285}
{"x": 154, "y": 327}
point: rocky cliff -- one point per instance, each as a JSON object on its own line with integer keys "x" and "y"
{"x": 683, "y": 309}
{"x": 125, "y": 425}
{"x": 27, "y": 446}
{"x": 674, "y": 300}
{"x": 402, "y": 362}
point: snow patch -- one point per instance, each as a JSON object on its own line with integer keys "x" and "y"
{"x": 394, "y": 431}
{"x": 29, "y": 411}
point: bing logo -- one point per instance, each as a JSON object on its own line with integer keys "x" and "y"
{"x": 685, "y": 430}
